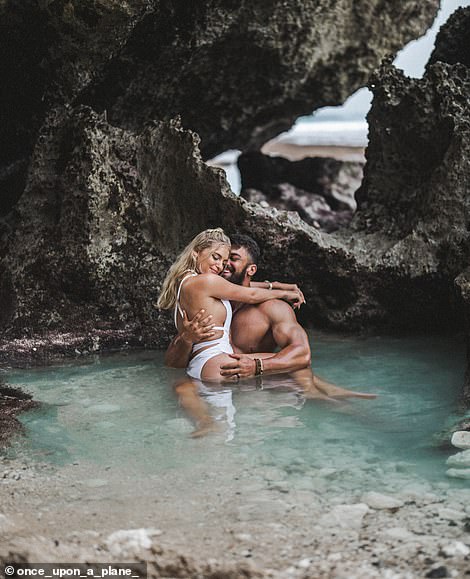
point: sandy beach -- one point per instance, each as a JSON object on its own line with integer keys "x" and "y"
{"x": 263, "y": 527}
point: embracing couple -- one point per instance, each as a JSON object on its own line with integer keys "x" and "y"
{"x": 229, "y": 326}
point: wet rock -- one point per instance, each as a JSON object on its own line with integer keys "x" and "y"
{"x": 463, "y": 473}
{"x": 461, "y": 439}
{"x": 379, "y": 501}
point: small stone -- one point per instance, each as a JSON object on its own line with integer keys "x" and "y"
{"x": 379, "y": 501}
{"x": 345, "y": 516}
{"x": 460, "y": 459}
{"x": 456, "y": 548}
{"x": 438, "y": 572}
{"x": 461, "y": 439}
{"x": 131, "y": 542}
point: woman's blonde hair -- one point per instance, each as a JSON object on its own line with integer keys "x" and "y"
{"x": 185, "y": 262}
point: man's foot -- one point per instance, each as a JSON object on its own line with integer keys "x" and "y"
{"x": 314, "y": 394}
{"x": 337, "y": 392}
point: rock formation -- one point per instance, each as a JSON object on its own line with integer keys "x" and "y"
{"x": 236, "y": 73}
{"x": 321, "y": 190}
{"x": 100, "y": 187}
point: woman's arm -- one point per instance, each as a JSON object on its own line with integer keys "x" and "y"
{"x": 218, "y": 287}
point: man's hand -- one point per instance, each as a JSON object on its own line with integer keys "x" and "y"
{"x": 242, "y": 366}
{"x": 198, "y": 329}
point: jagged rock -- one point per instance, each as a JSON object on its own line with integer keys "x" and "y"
{"x": 335, "y": 181}
{"x": 237, "y": 73}
{"x": 452, "y": 44}
{"x": 90, "y": 240}
{"x": 312, "y": 208}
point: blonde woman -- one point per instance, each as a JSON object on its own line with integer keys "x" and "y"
{"x": 193, "y": 283}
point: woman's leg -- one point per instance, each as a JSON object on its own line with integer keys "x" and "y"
{"x": 195, "y": 407}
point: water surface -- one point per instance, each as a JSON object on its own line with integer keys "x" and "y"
{"x": 122, "y": 409}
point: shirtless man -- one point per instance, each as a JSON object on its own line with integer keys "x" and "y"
{"x": 263, "y": 327}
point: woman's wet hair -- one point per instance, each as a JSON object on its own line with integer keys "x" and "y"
{"x": 186, "y": 262}
{"x": 252, "y": 248}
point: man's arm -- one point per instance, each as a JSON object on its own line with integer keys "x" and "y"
{"x": 195, "y": 330}
{"x": 288, "y": 335}
{"x": 279, "y": 286}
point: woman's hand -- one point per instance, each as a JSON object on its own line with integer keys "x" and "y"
{"x": 295, "y": 298}
{"x": 291, "y": 287}
{"x": 198, "y": 329}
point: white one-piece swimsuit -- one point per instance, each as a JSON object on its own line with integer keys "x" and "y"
{"x": 215, "y": 347}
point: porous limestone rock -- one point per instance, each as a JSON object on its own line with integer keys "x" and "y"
{"x": 452, "y": 44}
{"x": 237, "y": 72}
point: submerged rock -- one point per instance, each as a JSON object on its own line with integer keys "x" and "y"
{"x": 13, "y": 400}
{"x": 379, "y": 501}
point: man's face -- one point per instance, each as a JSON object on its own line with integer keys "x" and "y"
{"x": 237, "y": 264}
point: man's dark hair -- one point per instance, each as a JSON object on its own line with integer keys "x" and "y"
{"x": 252, "y": 248}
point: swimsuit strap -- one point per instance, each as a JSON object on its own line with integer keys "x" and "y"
{"x": 178, "y": 307}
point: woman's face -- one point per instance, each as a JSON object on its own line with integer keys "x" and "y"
{"x": 213, "y": 259}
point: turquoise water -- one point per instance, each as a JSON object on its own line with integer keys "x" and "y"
{"x": 121, "y": 409}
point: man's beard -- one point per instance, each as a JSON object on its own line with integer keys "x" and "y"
{"x": 238, "y": 278}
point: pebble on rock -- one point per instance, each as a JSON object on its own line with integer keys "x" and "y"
{"x": 378, "y": 501}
